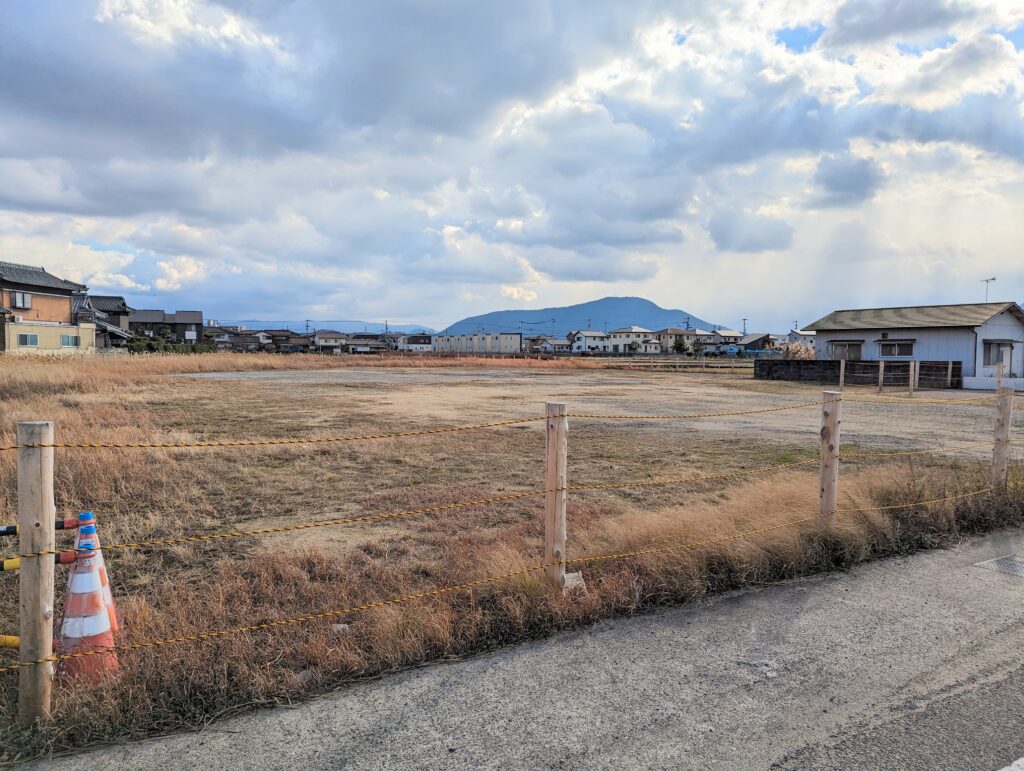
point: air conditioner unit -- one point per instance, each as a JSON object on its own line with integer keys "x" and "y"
{"x": 18, "y": 319}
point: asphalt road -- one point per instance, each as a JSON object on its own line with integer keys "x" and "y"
{"x": 907, "y": 663}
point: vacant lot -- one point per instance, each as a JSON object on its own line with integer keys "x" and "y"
{"x": 188, "y": 588}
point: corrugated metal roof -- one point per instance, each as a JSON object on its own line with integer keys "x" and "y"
{"x": 920, "y": 316}
{"x": 27, "y": 274}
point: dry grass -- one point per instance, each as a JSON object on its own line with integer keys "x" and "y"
{"x": 187, "y": 589}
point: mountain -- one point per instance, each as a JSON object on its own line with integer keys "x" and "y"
{"x": 299, "y": 325}
{"x": 609, "y": 312}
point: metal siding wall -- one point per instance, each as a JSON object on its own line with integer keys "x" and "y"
{"x": 950, "y": 344}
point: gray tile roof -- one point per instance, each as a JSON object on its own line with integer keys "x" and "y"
{"x": 148, "y": 317}
{"x": 27, "y": 274}
{"x": 919, "y": 316}
{"x": 109, "y": 303}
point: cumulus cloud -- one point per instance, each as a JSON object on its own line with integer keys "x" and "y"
{"x": 364, "y": 160}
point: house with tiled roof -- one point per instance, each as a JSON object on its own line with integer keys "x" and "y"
{"x": 37, "y": 313}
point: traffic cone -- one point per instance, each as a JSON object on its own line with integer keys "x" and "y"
{"x": 86, "y": 626}
{"x": 87, "y": 528}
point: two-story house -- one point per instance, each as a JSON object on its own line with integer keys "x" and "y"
{"x": 588, "y": 341}
{"x": 178, "y": 327}
{"x": 633, "y": 340}
{"x": 37, "y": 313}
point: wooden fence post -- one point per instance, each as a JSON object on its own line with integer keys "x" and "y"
{"x": 842, "y": 373}
{"x": 949, "y": 374}
{"x": 910, "y": 378}
{"x": 555, "y": 480}
{"x": 881, "y": 375}
{"x": 36, "y": 515}
{"x": 1001, "y": 448}
{"x": 830, "y": 411}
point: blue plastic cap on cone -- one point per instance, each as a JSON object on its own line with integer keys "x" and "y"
{"x": 86, "y": 516}
{"x": 86, "y": 546}
{"x": 87, "y": 530}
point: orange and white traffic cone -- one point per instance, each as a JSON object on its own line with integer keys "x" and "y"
{"x": 87, "y": 531}
{"x": 86, "y": 629}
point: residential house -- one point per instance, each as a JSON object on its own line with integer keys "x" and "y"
{"x": 275, "y": 338}
{"x": 547, "y": 344}
{"x": 243, "y": 342}
{"x": 801, "y": 337}
{"x": 757, "y": 341}
{"x": 633, "y": 340}
{"x": 178, "y": 327}
{"x": 673, "y": 340}
{"x": 420, "y": 343}
{"x": 329, "y": 340}
{"x": 295, "y": 344}
{"x": 588, "y": 341}
{"x": 114, "y": 308}
{"x": 484, "y": 342}
{"x": 979, "y": 335}
{"x": 365, "y": 343}
{"x": 108, "y": 335}
{"x": 725, "y": 341}
{"x": 37, "y": 313}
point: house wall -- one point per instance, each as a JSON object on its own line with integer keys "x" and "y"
{"x": 938, "y": 344}
{"x": 45, "y": 307}
{"x": 49, "y": 337}
{"x": 498, "y": 342}
{"x": 1004, "y": 326}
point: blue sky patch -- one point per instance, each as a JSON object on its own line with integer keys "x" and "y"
{"x": 799, "y": 39}
{"x": 680, "y": 38}
{"x": 916, "y": 49}
{"x": 1016, "y": 36}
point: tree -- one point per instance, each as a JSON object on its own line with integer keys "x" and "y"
{"x": 679, "y": 346}
{"x": 634, "y": 347}
{"x": 698, "y": 347}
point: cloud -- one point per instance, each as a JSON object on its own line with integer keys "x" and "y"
{"x": 518, "y": 293}
{"x": 868, "y": 21}
{"x": 845, "y": 180}
{"x": 737, "y": 231}
{"x": 368, "y": 160}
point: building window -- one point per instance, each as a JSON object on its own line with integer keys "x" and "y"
{"x": 70, "y": 341}
{"x": 21, "y": 300}
{"x": 848, "y": 351}
{"x": 28, "y": 341}
{"x": 994, "y": 352}
{"x": 896, "y": 349}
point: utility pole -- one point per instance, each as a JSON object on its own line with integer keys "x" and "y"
{"x": 986, "y": 282}
{"x": 552, "y": 327}
{"x": 796, "y": 324}
{"x": 745, "y": 326}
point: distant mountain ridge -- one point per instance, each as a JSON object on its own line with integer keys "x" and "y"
{"x": 607, "y": 313}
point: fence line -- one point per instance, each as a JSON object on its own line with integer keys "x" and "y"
{"x": 323, "y": 615}
{"x": 458, "y": 505}
{"x": 37, "y": 518}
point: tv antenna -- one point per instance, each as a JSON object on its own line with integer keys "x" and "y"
{"x": 986, "y": 282}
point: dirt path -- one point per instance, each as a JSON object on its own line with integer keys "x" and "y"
{"x": 907, "y": 663}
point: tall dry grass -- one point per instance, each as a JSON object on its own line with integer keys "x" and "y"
{"x": 186, "y": 589}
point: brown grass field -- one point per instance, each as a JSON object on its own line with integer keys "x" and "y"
{"x": 144, "y": 494}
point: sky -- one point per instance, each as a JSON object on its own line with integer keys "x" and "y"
{"x": 425, "y": 161}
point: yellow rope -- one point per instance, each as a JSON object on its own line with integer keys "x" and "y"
{"x": 424, "y": 510}
{"x": 267, "y": 442}
{"x": 217, "y": 634}
{"x": 695, "y": 415}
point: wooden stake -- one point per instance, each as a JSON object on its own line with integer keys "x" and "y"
{"x": 36, "y": 515}
{"x": 881, "y": 375}
{"x": 999, "y": 376}
{"x": 949, "y": 374}
{"x": 1001, "y": 448}
{"x": 910, "y": 378}
{"x": 555, "y": 480}
{"x": 830, "y": 410}
{"x": 842, "y": 373}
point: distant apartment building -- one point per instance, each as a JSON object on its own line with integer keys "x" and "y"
{"x": 422, "y": 343}
{"x": 484, "y": 342}
{"x": 37, "y": 313}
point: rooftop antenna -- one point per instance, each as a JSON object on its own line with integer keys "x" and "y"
{"x": 796, "y": 325}
{"x": 986, "y": 282}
